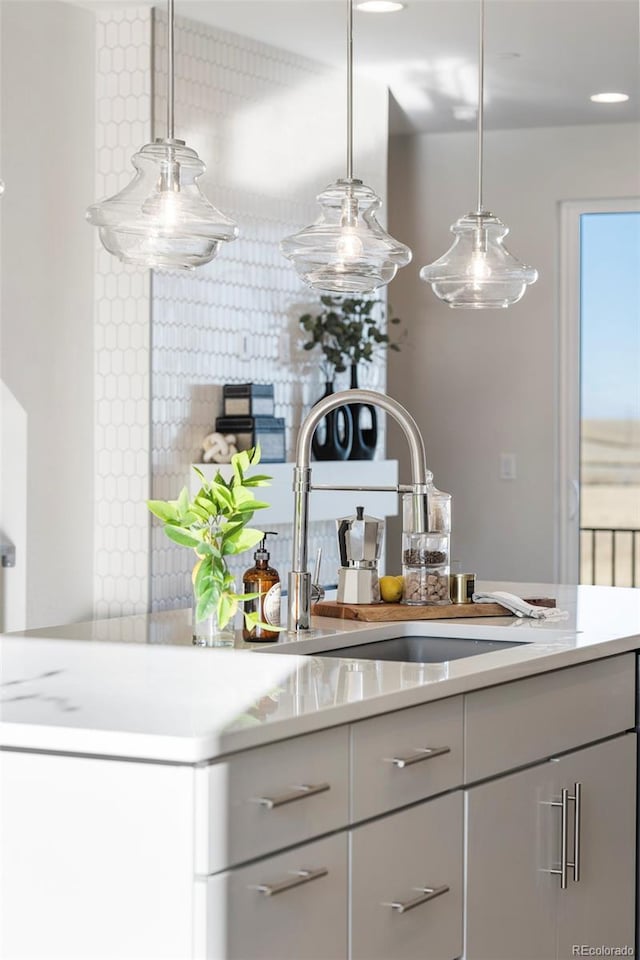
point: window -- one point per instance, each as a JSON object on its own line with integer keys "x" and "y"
{"x": 609, "y": 398}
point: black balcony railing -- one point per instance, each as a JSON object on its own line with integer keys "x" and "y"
{"x": 610, "y": 556}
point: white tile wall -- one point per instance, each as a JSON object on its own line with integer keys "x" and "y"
{"x": 269, "y": 126}
{"x": 122, "y": 326}
{"x": 235, "y": 320}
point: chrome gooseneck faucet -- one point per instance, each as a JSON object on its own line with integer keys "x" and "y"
{"x": 299, "y": 601}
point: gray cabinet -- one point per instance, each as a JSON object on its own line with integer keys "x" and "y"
{"x": 518, "y": 834}
{"x": 406, "y": 756}
{"x": 430, "y": 833}
{"x": 272, "y": 797}
{"x": 292, "y": 906}
{"x": 599, "y": 908}
{"x": 406, "y": 884}
{"x": 526, "y": 721}
{"x": 512, "y": 834}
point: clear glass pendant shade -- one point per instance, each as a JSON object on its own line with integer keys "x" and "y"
{"x": 477, "y": 271}
{"x": 346, "y": 250}
{"x": 161, "y": 219}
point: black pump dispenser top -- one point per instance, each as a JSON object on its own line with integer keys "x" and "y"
{"x": 262, "y": 555}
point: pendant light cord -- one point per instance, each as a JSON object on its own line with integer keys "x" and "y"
{"x": 170, "y": 72}
{"x": 349, "y": 89}
{"x": 479, "y": 208}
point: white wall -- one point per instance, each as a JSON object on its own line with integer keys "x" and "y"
{"x": 482, "y": 383}
{"x": 46, "y": 344}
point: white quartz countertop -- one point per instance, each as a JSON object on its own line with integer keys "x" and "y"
{"x": 136, "y": 687}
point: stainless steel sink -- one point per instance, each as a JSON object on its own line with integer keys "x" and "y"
{"x": 418, "y": 649}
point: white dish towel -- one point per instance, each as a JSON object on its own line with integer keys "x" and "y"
{"x": 520, "y": 607}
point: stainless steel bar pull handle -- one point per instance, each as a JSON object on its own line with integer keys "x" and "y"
{"x": 563, "y": 803}
{"x": 296, "y": 793}
{"x": 577, "y": 830}
{"x": 565, "y": 863}
{"x": 426, "y": 894}
{"x": 299, "y": 877}
{"x": 425, "y": 753}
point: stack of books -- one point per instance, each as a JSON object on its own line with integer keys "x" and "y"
{"x": 248, "y": 414}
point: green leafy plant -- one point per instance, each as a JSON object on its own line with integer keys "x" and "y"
{"x": 347, "y": 330}
{"x": 214, "y": 525}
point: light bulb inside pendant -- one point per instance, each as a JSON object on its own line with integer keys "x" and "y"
{"x": 349, "y": 246}
{"x": 479, "y": 269}
{"x": 164, "y": 210}
{"x": 163, "y": 206}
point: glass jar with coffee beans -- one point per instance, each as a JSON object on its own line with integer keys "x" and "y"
{"x": 425, "y": 549}
{"x": 426, "y": 585}
{"x": 425, "y": 546}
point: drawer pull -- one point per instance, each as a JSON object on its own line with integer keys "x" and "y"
{"x": 577, "y": 798}
{"x": 565, "y": 863}
{"x": 563, "y": 803}
{"x": 297, "y": 793}
{"x": 300, "y": 877}
{"x": 424, "y": 754}
{"x": 426, "y": 894}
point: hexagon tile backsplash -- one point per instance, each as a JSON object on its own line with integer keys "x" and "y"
{"x": 122, "y": 326}
{"x": 264, "y": 121}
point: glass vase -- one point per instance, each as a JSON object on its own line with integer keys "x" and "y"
{"x": 209, "y": 633}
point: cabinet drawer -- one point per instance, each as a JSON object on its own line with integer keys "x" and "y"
{"x": 392, "y": 765}
{"x": 269, "y": 911}
{"x": 517, "y": 723}
{"x": 396, "y": 861}
{"x": 271, "y": 797}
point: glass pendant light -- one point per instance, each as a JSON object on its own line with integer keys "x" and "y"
{"x": 346, "y": 251}
{"x": 161, "y": 219}
{"x": 478, "y": 272}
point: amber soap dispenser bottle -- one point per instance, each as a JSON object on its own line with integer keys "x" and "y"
{"x": 264, "y": 580}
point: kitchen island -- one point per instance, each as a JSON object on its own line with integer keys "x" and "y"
{"x": 161, "y": 800}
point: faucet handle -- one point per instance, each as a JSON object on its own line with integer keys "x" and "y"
{"x": 317, "y": 590}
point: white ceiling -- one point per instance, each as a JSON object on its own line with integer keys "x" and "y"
{"x": 543, "y": 57}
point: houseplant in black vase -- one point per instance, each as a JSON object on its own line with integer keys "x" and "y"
{"x": 348, "y": 332}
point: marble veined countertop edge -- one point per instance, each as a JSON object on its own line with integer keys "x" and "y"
{"x": 166, "y": 701}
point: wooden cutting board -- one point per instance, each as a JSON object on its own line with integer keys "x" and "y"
{"x": 380, "y": 612}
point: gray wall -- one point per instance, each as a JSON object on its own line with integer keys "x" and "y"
{"x": 46, "y": 344}
{"x": 483, "y": 382}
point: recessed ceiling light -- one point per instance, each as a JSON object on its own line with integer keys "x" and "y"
{"x": 609, "y": 97}
{"x": 380, "y": 6}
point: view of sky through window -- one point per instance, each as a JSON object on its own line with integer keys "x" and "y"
{"x": 610, "y": 397}
{"x": 610, "y": 315}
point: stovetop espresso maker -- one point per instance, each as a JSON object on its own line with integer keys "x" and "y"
{"x": 360, "y": 544}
